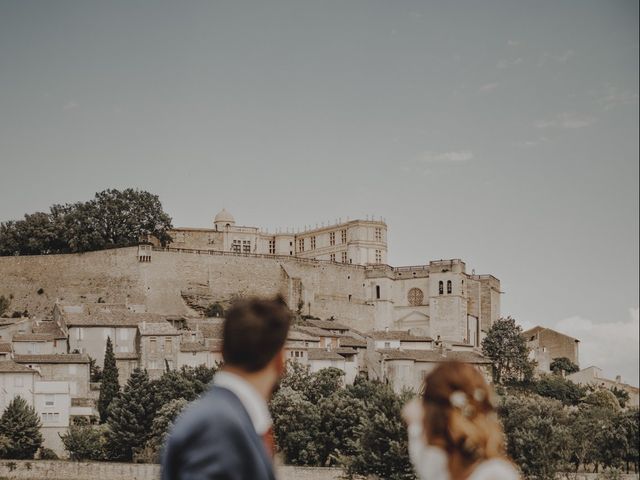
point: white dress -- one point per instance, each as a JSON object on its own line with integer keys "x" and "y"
{"x": 430, "y": 463}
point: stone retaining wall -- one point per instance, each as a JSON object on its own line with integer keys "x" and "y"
{"x": 61, "y": 470}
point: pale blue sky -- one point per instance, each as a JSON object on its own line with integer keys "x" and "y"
{"x": 503, "y": 133}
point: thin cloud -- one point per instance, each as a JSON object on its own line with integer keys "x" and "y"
{"x": 561, "y": 58}
{"x": 596, "y": 340}
{"x": 70, "y": 105}
{"x": 506, "y": 63}
{"x": 566, "y": 120}
{"x": 513, "y": 43}
{"x": 532, "y": 143}
{"x": 613, "y": 98}
{"x": 489, "y": 87}
{"x": 459, "y": 156}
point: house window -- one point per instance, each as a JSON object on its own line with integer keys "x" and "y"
{"x": 344, "y": 257}
{"x": 301, "y": 244}
{"x": 449, "y": 286}
{"x": 387, "y": 344}
{"x": 153, "y": 365}
{"x": 332, "y": 257}
{"x": 378, "y": 256}
{"x": 152, "y": 345}
{"x": 246, "y": 246}
{"x": 378, "y": 233}
{"x": 49, "y": 400}
{"x": 440, "y": 287}
{"x": 332, "y": 238}
{"x": 168, "y": 344}
{"x": 343, "y": 236}
{"x": 378, "y": 291}
{"x": 272, "y": 247}
{"x": 313, "y": 243}
{"x": 415, "y": 297}
{"x": 79, "y": 334}
{"x": 236, "y": 246}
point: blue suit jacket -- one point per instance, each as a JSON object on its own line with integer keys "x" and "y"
{"x": 214, "y": 439}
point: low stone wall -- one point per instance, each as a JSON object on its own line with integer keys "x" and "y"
{"x": 62, "y": 470}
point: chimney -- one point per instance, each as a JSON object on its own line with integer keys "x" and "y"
{"x": 618, "y": 379}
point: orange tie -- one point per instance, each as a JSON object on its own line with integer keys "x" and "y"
{"x": 269, "y": 443}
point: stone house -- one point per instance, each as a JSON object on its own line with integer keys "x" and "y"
{"x": 6, "y": 351}
{"x": 159, "y": 345}
{"x": 592, "y": 376}
{"x": 320, "y": 358}
{"x": 547, "y": 344}
{"x": 13, "y": 326}
{"x": 206, "y": 352}
{"x": 72, "y": 368}
{"x": 400, "y": 339}
{"x": 16, "y": 380}
{"x": 38, "y": 343}
{"x": 298, "y": 344}
{"x": 407, "y": 369}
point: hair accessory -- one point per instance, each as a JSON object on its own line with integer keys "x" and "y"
{"x": 479, "y": 395}
{"x": 458, "y": 399}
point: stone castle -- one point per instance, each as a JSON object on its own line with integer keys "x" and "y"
{"x": 340, "y": 270}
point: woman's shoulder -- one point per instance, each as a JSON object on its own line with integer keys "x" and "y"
{"x": 495, "y": 469}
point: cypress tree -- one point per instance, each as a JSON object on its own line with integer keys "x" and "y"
{"x": 20, "y": 426}
{"x": 130, "y": 418}
{"x": 109, "y": 388}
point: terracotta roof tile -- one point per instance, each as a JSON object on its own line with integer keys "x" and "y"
{"x": 8, "y": 366}
{"x": 322, "y": 354}
{"x": 53, "y": 358}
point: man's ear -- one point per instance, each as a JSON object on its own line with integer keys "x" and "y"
{"x": 280, "y": 361}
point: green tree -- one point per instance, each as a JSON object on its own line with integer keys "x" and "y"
{"x": 538, "y": 435}
{"x": 95, "y": 372}
{"x": 20, "y": 425}
{"x": 130, "y": 417}
{"x": 554, "y": 386}
{"x": 110, "y": 386}
{"x": 172, "y": 386}
{"x": 324, "y": 383}
{"x": 160, "y": 426}
{"x": 85, "y": 442}
{"x": 630, "y": 424}
{"x": 380, "y": 447}
{"x": 621, "y": 394}
{"x": 340, "y": 416}
{"x": 508, "y": 352}
{"x": 4, "y": 305}
{"x": 200, "y": 376}
{"x": 296, "y": 425}
{"x": 297, "y": 377}
{"x": 563, "y": 366}
{"x": 601, "y": 397}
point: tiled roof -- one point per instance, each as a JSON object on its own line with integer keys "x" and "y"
{"x": 295, "y": 334}
{"x": 401, "y": 335}
{"x": 319, "y": 332}
{"x": 322, "y": 354}
{"x": 434, "y": 356}
{"x": 5, "y": 347}
{"x": 346, "y": 351}
{"x": 53, "y": 358}
{"x": 325, "y": 324}
{"x": 113, "y": 318}
{"x": 126, "y": 356}
{"x": 157, "y": 328}
{"x": 8, "y": 366}
{"x": 33, "y": 337}
{"x": 193, "y": 347}
{"x": 211, "y": 330}
{"x": 352, "y": 342}
{"x": 49, "y": 327}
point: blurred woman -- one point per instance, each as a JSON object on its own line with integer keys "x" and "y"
{"x": 454, "y": 432}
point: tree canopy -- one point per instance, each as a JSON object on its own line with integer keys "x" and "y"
{"x": 113, "y": 218}
{"x": 508, "y": 352}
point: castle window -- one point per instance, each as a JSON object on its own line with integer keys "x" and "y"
{"x": 178, "y": 237}
{"x": 378, "y": 233}
{"x": 378, "y": 256}
{"x": 344, "y": 257}
{"x": 313, "y": 243}
{"x": 236, "y": 246}
{"x": 246, "y": 246}
{"x": 449, "y": 286}
{"x": 272, "y": 247}
{"x": 332, "y": 238}
{"x": 332, "y": 257}
{"x": 301, "y": 244}
{"x": 378, "y": 292}
{"x": 440, "y": 287}
{"x": 343, "y": 236}
{"x": 415, "y": 297}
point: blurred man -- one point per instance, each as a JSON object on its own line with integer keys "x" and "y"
{"x": 227, "y": 433}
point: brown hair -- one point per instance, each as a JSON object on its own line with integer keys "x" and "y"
{"x": 254, "y": 331}
{"x": 460, "y": 417}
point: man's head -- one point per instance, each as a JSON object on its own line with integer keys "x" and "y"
{"x": 254, "y": 334}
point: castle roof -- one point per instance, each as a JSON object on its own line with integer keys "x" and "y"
{"x": 224, "y": 217}
{"x": 434, "y": 356}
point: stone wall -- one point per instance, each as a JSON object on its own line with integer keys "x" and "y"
{"x": 60, "y": 470}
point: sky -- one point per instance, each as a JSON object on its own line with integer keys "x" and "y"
{"x": 504, "y": 133}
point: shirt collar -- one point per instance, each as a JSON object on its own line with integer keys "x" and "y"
{"x": 250, "y": 399}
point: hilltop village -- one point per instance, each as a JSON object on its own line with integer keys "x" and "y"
{"x": 162, "y": 307}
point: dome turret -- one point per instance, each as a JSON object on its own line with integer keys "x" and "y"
{"x": 224, "y": 219}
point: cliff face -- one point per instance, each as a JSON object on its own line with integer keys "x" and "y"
{"x": 182, "y": 283}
